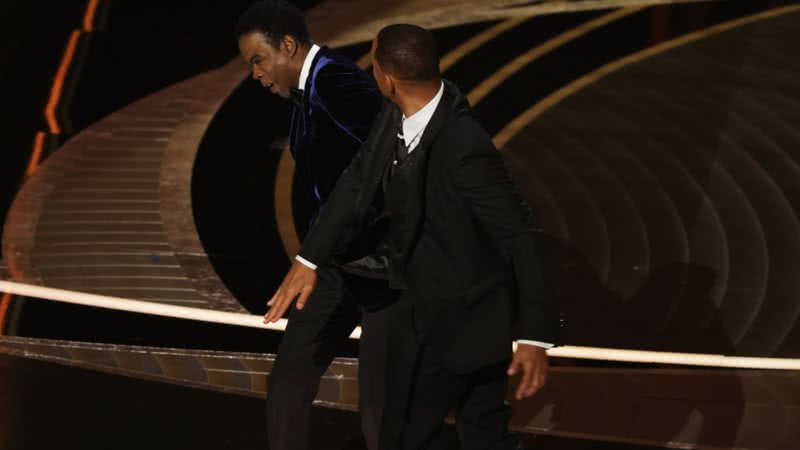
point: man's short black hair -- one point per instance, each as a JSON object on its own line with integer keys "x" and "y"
{"x": 274, "y": 18}
{"x": 408, "y": 52}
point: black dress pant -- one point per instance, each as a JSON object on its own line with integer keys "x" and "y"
{"x": 311, "y": 340}
{"x": 421, "y": 392}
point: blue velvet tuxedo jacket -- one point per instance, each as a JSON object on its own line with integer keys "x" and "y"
{"x": 340, "y": 102}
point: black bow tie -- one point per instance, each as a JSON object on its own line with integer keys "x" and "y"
{"x": 296, "y": 96}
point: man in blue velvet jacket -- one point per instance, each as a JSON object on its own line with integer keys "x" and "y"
{"x": 334, "y": 105}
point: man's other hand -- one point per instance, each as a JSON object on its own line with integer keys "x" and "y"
{"x": 298, "y": 283}
{"x": 533, "y": 362}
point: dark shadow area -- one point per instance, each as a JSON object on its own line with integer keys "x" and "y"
{"x": 712, "y": 407}
{"x": 611, "y": 42}
{"x": 484, "y": 61}
{"x": 671, "y": 312}
{"x": 722, "y": 160}
{"x": 233, "y": 192}
{"x": 33, "y": 35}
{"x": 94, "y": 410}
{"x": 145, "y": 46}
{"x": 135, "y": 49}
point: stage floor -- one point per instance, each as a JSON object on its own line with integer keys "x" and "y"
{"x": 48, "y": 405}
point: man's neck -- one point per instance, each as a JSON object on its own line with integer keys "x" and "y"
{"x": 414, "y": 97}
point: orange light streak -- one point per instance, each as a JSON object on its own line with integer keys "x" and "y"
{"x": 58, "y": 83}
{"x": 50, "y": 114}
{"x": 88, "y": 18}
{"x": 36, "y": 156}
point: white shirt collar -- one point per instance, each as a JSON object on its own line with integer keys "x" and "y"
{"x": 312, "y": 52}
{"x": 414, "y": 126}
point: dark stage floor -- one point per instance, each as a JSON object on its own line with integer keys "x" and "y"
{"x": 49, "y": 406}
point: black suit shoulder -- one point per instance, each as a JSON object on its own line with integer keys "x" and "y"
{"x": 461, "y": 138}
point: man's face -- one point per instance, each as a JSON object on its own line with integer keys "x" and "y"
{"x": 381, "y": 78}
{"x": 271, "y": 66}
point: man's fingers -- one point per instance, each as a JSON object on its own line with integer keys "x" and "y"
{"x": 526, "y": 382}
{"x": 283, "y": 288}
{"x": 279, "y": 306}
{"x": 299, "y": 282}
{"x": 273, "y": 310}
{"x": 270, "y": 313}
{"x": 514, "y": 367}
{"x": 538, "y": 382}
{"x": 272, "y": 300}
{"x": 304, "y": 294}
{"x": 276, "y": 298}
{"x": 533, "y": 362}
{"x": 539, "y": 377}
{"x": 278, "y": 309}
{"x": 271, "y": 304}
{"x": 292, "y": 285}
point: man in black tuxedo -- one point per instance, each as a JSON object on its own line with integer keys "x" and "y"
{"x": 333, "y": 106}
{"x": 429, "y": 203}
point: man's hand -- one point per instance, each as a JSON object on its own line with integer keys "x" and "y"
{"x": 300, "y": 281}
{"x": 532, "y": 360}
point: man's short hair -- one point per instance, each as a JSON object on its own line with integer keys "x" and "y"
{"x": 408, "y": 52}
{"x": 274, "y": 18}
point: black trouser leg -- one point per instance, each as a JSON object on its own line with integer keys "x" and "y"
{"x": 371, "y": 374}
{"x": 414, "y": 418}
{"x": 482, "y": 414}
{"x": 434, "y": 392}
{"x": 308, "y": 346}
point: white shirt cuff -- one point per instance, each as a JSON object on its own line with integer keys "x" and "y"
{"x": 306, "y": 262}
{"x": 536, "y": 343}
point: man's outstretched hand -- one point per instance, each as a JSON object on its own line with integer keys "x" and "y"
{"x": 298, "y": 283}
{"x": 533, "y": 362}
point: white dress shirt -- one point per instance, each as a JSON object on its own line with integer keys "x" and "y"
{"x": 413, "y": 129}
{"x": 414, "y": 126}
{"x": 312, "y": 52}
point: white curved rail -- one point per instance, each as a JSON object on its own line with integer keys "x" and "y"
{"x": 254, "y": 321}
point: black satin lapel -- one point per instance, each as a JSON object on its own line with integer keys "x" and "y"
{"x": 295, "y": 130}
{"x": 416, "y": 189}
{"x": 438, "y": 119}
{"x": 384, "y": 146}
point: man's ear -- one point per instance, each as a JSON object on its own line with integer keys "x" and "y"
{"x": 390, "y": 83}
{"x": 289, "y": 45}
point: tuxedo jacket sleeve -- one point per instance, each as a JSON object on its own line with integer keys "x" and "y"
{"x": 481, "y": 179}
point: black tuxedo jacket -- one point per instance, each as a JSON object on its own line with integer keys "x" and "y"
{"x": 468, "y": 247}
